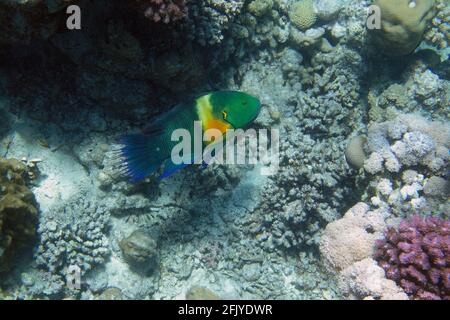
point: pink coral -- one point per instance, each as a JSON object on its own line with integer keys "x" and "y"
{"x": 416, "y": 256}
{"x": 165, "y": 11}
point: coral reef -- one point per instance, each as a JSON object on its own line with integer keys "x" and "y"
{"x": 18, "y": 211}
{"x": 404, "y": 154}
{"x": 302, "y": 196}
{"x": 225, "y": 232}
{"x": 208, "y": 20}
{"x": 403, "y": 24}
{"x": 416, "y": 256}
{"x": 421, "y": 92}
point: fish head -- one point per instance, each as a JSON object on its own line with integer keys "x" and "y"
{"x": 239, "y": 109}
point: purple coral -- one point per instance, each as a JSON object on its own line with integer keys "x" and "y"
{"x": 164, "y": 10}
{"x": 416, "y": 256}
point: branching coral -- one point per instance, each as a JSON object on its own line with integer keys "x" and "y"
{"x": 407, "y": 153}
{"x": 416, "y": 256}
{"x": 74, "y": 238}
{"x": 439, "y": 34}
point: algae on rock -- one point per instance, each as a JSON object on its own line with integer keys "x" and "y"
{"x": 18, "y": 211}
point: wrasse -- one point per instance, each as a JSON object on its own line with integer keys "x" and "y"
{"x": 143, "y": 154}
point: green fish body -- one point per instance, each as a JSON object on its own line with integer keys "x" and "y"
{"x": 144, "y": 153}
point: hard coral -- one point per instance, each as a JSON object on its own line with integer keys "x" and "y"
{"x": 165, "y": 11}
{"x": 302, "y": 14}
{"x": 403, "y": 24}
{"x": 416, "y": 256}
{"x": 18, "y": 211}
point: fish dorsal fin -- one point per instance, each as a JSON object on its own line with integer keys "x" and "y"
{"x": 156, "y": 125}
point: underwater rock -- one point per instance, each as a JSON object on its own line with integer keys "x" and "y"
{"x": 111, "y": 294}
{"x": 140, "y": 249}
{"x": 366, "y": 280}
{"x": 328, "y": 9}
{"x": 18, "y": 211}
{"x": 437, "y": 187}
{"x": 354, "y": 153}
{"x": 443, "y": 69}
{"x": 403, "y": 23}
{"x": 25, "y": 20}
{"x": 201, "y": 293}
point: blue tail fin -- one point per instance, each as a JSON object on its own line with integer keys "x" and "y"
{"x": 139, "y": 156}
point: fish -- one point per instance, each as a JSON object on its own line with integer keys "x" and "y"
{"x": 144, "y": 153}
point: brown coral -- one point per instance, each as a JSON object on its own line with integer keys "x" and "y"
{"x": 18, "y": 211}
{"x": 403, "y": 23}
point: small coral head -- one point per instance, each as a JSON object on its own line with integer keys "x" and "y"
{"x": 416, "y": 255}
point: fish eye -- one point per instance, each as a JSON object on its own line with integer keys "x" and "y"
{"x": 224, "y": 114}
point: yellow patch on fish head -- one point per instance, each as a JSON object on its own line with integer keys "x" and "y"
{"x": 206, "y": 116}
{"x": 217, "y": 124}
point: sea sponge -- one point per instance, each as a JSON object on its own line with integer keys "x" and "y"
{"x": 403, "y": 23}
{"x": 18, "y": 211}
{"x": 302, "y": 14}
